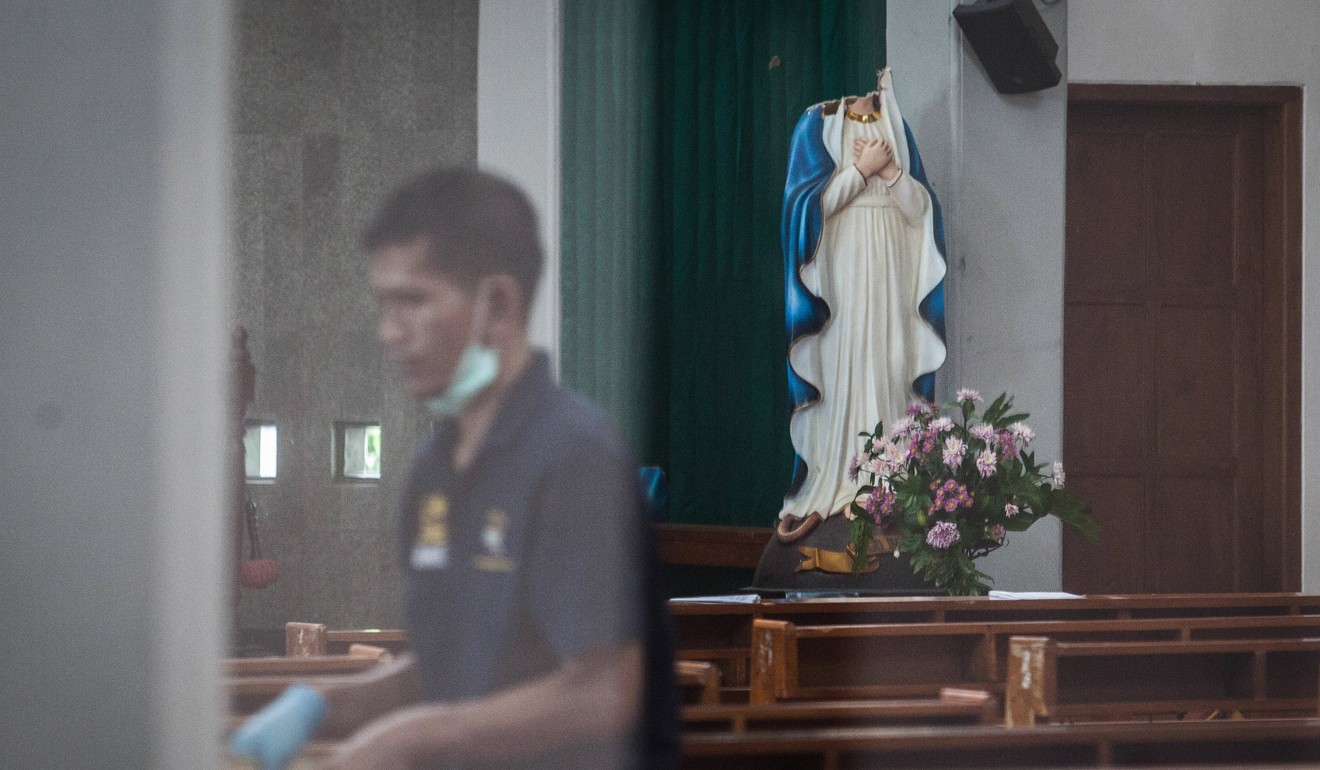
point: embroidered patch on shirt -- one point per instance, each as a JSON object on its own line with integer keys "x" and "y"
{"x": 494, "y": 558}
{"x": 431, "y": 548}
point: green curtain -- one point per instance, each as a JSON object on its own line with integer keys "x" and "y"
{"x": 611, "y": 279}
{"x": 691, "y": 359}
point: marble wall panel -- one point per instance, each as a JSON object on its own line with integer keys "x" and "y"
{"x": 336, "y": 102}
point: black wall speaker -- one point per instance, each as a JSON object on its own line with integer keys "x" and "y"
{"x": 1014, "y": 45}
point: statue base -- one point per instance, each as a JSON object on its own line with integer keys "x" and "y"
{"x": 791, "y": 561}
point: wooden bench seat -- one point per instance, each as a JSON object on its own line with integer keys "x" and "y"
{"x": 1217, "y": 743}
{"x": 307, "y": 665}
{"x": 951, "y": 707}
{"x": 1256, "y": 743}
{"x": 253, "y": 682}
{"x": 1059, "y": 681}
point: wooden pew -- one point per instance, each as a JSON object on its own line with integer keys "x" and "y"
{"x": 1060, "y": 681}
{"x": 916, "y": 659}
{"x": 950, "y": 707}
{"x": 315, "y": 639}
{"x": 1258, "y": 743}
{"x": 253, "y": 682}
{"x": 722, "y": 633}
{"x": 699, "y": 682}
{"x": 1252, "y": 743}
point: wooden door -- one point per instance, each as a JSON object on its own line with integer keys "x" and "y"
{"x": 1181, "y": 342}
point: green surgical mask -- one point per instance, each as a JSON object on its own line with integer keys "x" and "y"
{"x": 477, "y": 368}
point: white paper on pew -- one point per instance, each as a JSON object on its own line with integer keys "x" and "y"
{"x": 1033, "y": 595}
{"x": 728, "y": 599}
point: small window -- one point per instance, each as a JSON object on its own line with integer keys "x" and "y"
{"x": 359, "y": 451}
{"x": 259, "y": 450}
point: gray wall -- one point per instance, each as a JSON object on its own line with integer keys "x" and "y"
{"x": 112, "y": 326}
{"x": 997, "y": 163}
{"x": 335, "y": 103}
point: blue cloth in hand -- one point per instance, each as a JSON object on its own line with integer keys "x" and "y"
{"x": 276, "y": 733}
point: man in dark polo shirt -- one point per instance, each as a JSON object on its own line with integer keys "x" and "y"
{"x": 538, "y": 632}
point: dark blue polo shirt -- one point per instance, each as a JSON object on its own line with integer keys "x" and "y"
{"x": 537, "y": 553}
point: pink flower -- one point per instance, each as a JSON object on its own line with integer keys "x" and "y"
{"x": 1010, "y": 510}
{"x": 1008, "y": 445}
{"x": 1058, "y": 475}
{"x": 967, "y": 394}
{"x": 941, "y": 425}
{"x": 918, "y": 409}
{"x": 983, "y": 432}
{"x": 880, "y": 503}
{"x": 986, "y": 462}
{"x": 954, "y": 449}
{"x": 997, "y": 532}
{"x": 854, "y": 467}
{"x": 949, "y": 497}
{"x": 901, "y": 427}
{"x": 942, "y": 535}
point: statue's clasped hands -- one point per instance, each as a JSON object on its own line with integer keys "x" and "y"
{"x": 874, "y": 156}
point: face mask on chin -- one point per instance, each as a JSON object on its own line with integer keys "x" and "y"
{"x": 477, "y": 368}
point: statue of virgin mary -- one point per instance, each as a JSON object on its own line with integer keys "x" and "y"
{"x": 864, "y": 267}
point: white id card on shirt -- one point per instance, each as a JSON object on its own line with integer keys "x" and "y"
{"x": 430, "y": 557}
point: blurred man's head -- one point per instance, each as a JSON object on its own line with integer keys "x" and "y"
{"x": 477, "y": 224}
{"x": 455, "y": 259}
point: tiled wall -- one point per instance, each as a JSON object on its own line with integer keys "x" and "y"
{"x": 336, "y": 102}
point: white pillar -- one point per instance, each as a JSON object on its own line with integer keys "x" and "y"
{"x": 518, "y": 103}
{"x": 112, "y": 343}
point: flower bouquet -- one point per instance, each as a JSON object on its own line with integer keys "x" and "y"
{"x": 948, "y": 485}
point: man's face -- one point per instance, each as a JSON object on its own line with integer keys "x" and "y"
{"x": 424, "y": 319}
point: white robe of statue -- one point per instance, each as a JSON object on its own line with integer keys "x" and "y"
{"x": 872, "y": 267}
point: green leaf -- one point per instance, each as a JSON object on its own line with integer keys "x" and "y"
{"x": 861, "y": 539}
{"x": 1019, "y": 523}
{"x": 1076, "y": 519}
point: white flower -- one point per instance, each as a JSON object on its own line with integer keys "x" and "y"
{"x": 1010, "y": 510}
{"x": 954, "y": 449}
{"x": 893, "y": 457}
{"x": 1058, "y": 475}
{"x": 967, "y": 394}
{"x": 983, "y": 432}
{"x": 986, "y": 462}
{"x": 1024, "y": 433}
{"x": 941, "y": 425}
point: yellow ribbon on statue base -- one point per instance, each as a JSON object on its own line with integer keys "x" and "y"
{"x": 841, "y": 562}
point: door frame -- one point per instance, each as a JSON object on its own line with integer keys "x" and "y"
{"x": 1281, "y": 503}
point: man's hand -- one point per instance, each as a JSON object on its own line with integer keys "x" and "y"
{"x": 385, "y": 744}
{"x": 595, "y": 696}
